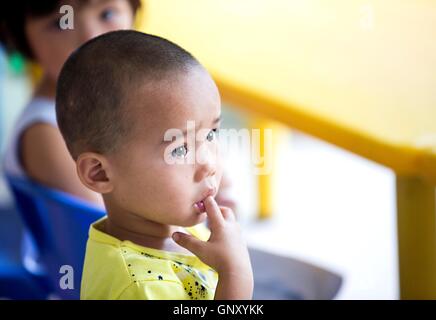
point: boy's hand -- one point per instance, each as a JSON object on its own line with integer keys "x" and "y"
{"x": 225, "y": 251}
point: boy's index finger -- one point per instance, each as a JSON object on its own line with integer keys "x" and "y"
{"x": 213, "y": 211}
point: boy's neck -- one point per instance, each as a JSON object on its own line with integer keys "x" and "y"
{"x": 143, "y": 232}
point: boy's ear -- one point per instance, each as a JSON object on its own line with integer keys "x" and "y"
{"x": 94, "y": 172}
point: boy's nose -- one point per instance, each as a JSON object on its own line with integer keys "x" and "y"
{"x": 205, "y": 170}
{"x": 206, "y": 165}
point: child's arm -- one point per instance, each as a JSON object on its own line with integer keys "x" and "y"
{"x": 46, "y": 159}
{"x": 225, "y": 251}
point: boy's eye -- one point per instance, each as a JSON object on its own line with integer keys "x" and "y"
{"x": 212, "y": 134}
{"x": 180, "y": 152}
{"x": 107, "y": 14}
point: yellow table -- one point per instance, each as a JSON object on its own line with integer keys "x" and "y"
{"x": 358, "y": 74}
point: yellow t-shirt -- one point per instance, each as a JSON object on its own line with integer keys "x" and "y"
{"x": 115, "y": 269}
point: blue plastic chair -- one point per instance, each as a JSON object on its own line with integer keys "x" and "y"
{"x": 58, "y": 223}
{"x": 16, "y": 282}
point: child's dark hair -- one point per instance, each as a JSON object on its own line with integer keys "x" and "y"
{"x": 93, "y": 97}
{"x": 13, "y": 15}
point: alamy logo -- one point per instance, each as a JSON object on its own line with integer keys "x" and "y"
{"x": 67, "y": 20}
{"x": 67, "y": 280}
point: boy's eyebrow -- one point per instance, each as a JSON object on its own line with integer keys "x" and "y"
{"x": 217, "y": 120}
{"x": 185, "y": 131}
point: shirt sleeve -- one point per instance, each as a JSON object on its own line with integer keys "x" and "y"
{"x": 154, "y": 290}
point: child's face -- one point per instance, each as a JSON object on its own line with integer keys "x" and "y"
{"x": 144, "y": 181}
{"x": 51, "y": 45}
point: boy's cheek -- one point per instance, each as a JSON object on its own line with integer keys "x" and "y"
{"x": 219, "y": 171}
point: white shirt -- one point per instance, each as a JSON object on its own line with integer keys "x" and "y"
{"x": 39, "y": 110}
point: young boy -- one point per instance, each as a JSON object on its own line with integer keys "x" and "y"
{"x": 127, "y": 104}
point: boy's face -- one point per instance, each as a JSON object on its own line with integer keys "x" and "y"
{"x": 52, "y": 45}
{"x": 146, "y": 180}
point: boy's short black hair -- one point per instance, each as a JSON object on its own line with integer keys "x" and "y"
{"x": 97, "y": 80}
{"x": 13, "y": 15}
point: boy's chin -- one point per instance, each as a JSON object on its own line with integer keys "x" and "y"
{"x": 195, "y": 219}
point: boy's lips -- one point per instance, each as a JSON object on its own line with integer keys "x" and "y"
{"x": 200, "y": 204}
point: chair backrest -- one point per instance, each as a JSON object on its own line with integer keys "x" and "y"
{"x": 59, "y": 224}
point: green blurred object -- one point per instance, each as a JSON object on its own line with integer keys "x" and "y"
{"x": 17, "y": 62}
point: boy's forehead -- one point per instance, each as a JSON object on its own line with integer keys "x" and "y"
{"x": 171, "y": 102}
